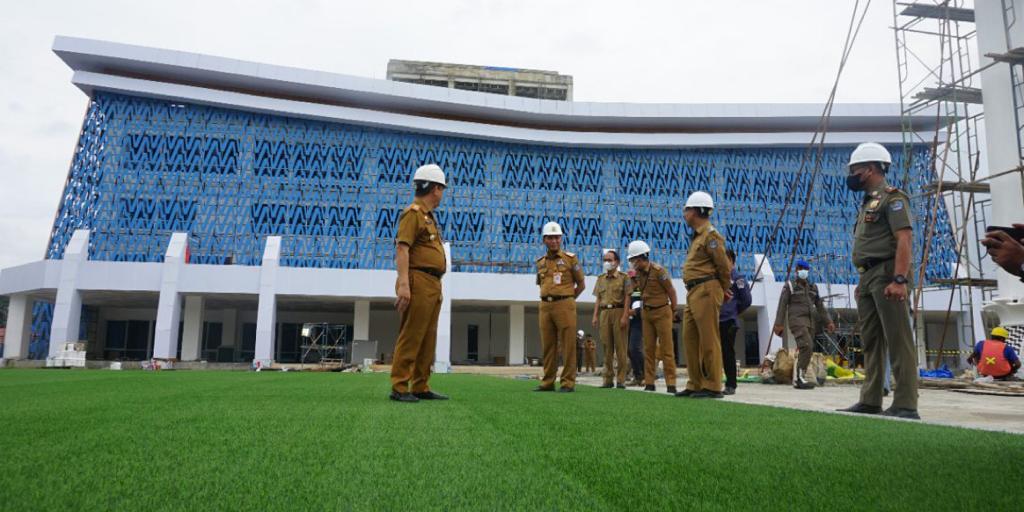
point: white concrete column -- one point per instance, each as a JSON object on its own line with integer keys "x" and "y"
{"x": 168, "y": 309}
{"x": 361, "y": 321}
{"x": 1001, "y": 144}
{"x": 443, "y": 354}
{"x": 230, "y": 328}
{"x": 516, "y": 334}
{"x": 192, "y": 337}
{"x": 19, "y": 327}
{"x": 67, "y": 309}
{"x": 766, "y": 287}
{"x": 266, "y": 312}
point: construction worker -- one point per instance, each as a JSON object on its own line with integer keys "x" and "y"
{"x": 421, "y": 263}
{"x": 636, "y": 337}
{"x": 590, "y": 353}
{"x": 882, "y": 248}
{"x": 708, "y": 278}
{"x": 729, "y": 322}
{"x": 611, "y": 318}
{"x": 658, "y": 297}
{"x": 994, "y": 357}
{"x": 800, "y": 304}
{"x": 560, "y": 278}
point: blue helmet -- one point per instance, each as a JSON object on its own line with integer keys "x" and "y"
{"x": 802, "y": 263}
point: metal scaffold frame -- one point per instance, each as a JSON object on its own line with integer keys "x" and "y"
{"x": 946, "y": 83}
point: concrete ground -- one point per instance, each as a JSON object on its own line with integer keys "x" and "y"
{"x": 939, "y": 407}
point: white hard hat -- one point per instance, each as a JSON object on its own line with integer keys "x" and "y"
{"x": 580, "y": 333}
{"x": 431, "y": 173}
{"x": 870, "y": 152}
{"x": 552, "y": 228}
{"x": 637, "y": 248}
{"x": 700, "y": 200}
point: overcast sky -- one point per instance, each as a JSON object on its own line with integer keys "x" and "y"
{"x": 667, "y": 51}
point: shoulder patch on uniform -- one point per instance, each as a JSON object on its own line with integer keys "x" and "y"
{"x": 415, "y": 207}
{"x": 742, "y": 283}
{"x": 570, "y": 254}
{"x": 896, "y": 205}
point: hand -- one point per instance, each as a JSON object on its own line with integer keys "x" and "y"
{"x": 831, "y": 327}
{"x": 896, "y": 292}
{"x": 593, "y": 321}
{"x": 404, "y": 296}
{"x": 1005, "y": 251}
{"x": 728, "y": 295}
{"x": 624, "y": 321}
{"x": 778, "y": 330}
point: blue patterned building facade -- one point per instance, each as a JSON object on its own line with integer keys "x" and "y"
{"x": 144, "y": 168}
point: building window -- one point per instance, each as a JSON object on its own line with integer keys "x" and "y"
{"x": 494, "y": 88}
{"x": 473, "y": 343}
{"x": 128, "y": 340}
{"x": 467, "y": 86}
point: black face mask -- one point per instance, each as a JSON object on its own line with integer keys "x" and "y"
{"x": 854, "y": 183}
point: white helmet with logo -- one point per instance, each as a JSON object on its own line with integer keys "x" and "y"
{"x": 552, "y": 229}
{"x": 637, "y": 248}
{"x": 431, "y": 173}
{"x": 871, "y": 152}
{"x": 700, "y": 200}
{"x": 580, "y": 333}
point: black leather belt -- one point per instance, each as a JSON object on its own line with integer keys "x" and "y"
{"x": 699, "y": 281}
{"x": 430, "y": 271}
{"x": 870, "y": 263}
{"x": 555, "y": 298}
{"x": 654, "y": 307}
{"x": 612, "y": 306}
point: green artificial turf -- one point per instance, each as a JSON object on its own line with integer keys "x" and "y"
{"x": 101, "y": 440}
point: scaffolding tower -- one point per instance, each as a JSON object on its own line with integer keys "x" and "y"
{"x": 938, "y": 75}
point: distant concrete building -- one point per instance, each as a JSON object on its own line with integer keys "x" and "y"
{"x": 525, "y": 83}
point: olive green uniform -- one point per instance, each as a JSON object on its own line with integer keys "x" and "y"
{"x": 611, "y": 295}
{"x": 707, "y": 274}
{"x": 417, "y": 336}
{"x": 557, "y": 276}
{"x": 656, "y": 323}
{"x": 801, "y": 306}
{"x": 884, "y": 324}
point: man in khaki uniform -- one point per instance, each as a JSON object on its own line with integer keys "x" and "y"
{"x": 801, "y": 306}
{"x": 421, "y": 263}
{"x": 659, "y": 305}
{"x": 590, "y": 354}
{"x": 611, "y": 318}
{"x": 708, "y": 278}
{"x": 560, "y": 278}
{"x": 882, "y": 249}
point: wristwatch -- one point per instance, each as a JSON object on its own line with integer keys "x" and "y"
{"x": 900, "y": 279}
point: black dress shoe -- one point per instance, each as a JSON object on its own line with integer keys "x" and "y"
{"x": 542, "y": 388}
{"x": 729, "y": 391}
{"x": 621, "y": 386}
{"x": 907, "y": 414}
{"x": 685, "y": 393}
{"x": 607, "y": 386}
{"x": 860, "y": 408}
{"x": 650, "y": 387}
{"x": 564, "y": 389}
{"x": 403, "y": 397}
{"x": 803, "y": 385}
{"x": 706, "y": 393}
{"x": 671, "y": 390}
{"x": 430, "y": 395}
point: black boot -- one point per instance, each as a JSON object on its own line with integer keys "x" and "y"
{"x": 860, "y": 408}
{"x": 403, "y": 397}
{"x": 650, "y": 387}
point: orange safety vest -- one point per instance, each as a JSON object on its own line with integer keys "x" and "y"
{"x": 993, "y": 359}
